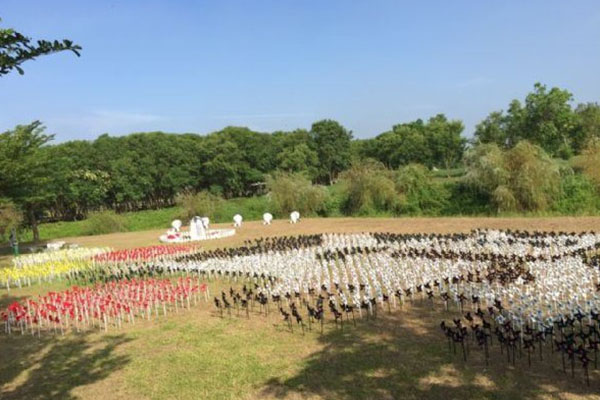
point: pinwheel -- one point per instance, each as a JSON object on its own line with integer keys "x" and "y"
{"x": 45, "y": 267}
{"x": 144, "y": 254}
{"x": 100, "y": 306}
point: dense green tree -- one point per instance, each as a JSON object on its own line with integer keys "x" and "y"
{"x": 445, "y": 140}
{"x": 405, "y": 144}
{"x": 587, "y": 125}
{"x": 299, "y": 158}
{"x": 492, "y": 129}
{"x": 436, "y": 143}
{"x": 546, "y": 119}
{"x": 295, "y": 152}
{"x": 16, "y": 48}
{"x": 77, "y": 185}
{"x": 549, "y": 118}
{"x": 363, "y": 148}
{"x": 332, "y": 143}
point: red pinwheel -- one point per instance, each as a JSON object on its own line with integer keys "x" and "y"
{"x": 102, "y": 305}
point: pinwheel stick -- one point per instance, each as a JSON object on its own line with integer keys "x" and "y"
{"x": 486, "y": 351}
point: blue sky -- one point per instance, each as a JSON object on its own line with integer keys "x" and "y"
{"x": 197, "y": 66}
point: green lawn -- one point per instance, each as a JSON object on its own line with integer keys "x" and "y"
{"x": 251, "y": 208}
{"x": 134, "y": 221}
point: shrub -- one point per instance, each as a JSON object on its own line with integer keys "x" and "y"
{"x": 369, "y": 188}
{"x": 199, "y": 204}
{"x": 104, "y": 222}
{"x": 523, "y": 178}
{"x": 421, "y": 193}
{"x": 504, "y": 199}
{"x": 589, "y": 161}
{"x": 534, "y": 177}
{"x": 293, "y": 192}
{"x": 10, "y": 218}
{"x": 334, "y": 203}
{"x": 465, "y": 199}
{"x": 577, "y": 195}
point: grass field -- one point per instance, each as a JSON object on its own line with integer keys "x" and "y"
{"x": 195, "y": 354}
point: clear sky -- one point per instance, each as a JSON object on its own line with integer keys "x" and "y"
{"x": 197, "y": 66}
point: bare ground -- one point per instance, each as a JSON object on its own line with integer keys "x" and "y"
{"x": 255, "y": 229}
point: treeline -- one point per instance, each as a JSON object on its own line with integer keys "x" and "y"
{"x": 48, "y": 182}
{"x": 148, "y": 170}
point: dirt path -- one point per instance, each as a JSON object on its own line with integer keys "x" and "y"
{"x": 254, "y": 229}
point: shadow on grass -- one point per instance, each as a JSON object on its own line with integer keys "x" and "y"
{"x": 24, "y": 248}
{"x": 405, "y": 356}
{"x": 6, "y": 299}
{"x": 51, "y": 366}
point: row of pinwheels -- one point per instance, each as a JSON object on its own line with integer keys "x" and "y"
{"x": 144, "y": 254}
{"x": 102, "y": 306}
{"x": 43, "y": 267}
{"x": 46, "y": 267}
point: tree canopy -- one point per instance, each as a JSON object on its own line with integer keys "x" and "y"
{"x": 25, "y": 176}
{"x": 435, "y": 143}
{"x": 547, "y": 119}
{"x": 332, "y": 143}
